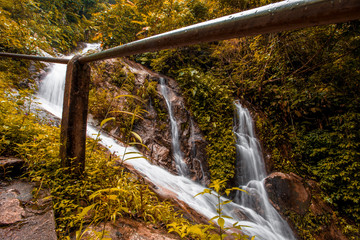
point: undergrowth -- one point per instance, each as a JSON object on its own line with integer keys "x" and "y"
{"x": 106, "y": 192}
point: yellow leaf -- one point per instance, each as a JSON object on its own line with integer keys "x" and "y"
{"x": 112, "y": 197}
{"x": 106, "y": 120}
{"x": 137, "y": 136}
{"x": 221, "y": 222}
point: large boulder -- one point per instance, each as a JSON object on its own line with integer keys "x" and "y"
{"x": 292, "y": 195}
{"x": 288, "y": 191}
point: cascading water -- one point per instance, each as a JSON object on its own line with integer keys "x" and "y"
{"x": 181, "y": 166}
{"x": 56, "y": 82}
{"x": 184, "y": 189}
{"x": 193, "y": 152}
{"x": 250, "y": 160}
{"x": 52, "y": 87}
{"x": 251, "y": 172}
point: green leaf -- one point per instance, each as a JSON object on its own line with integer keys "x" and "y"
{"x": 239, "y": 189}
{"x": 85, "y": 211}
{"x": 127, "y": 153}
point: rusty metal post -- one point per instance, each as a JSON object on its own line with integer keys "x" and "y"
{"x": 74, "y": 116}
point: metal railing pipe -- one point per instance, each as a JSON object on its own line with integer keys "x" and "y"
{"x": 36, "y": 58}
{"x": 281, "y": 16}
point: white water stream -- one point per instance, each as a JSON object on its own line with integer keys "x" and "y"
{"x": 181, "y": 167}
{"x": 251, "y": 173}
{"x": 260, "y": 225}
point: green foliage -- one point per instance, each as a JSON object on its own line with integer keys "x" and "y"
{"x": 211, "y": 104}
{"x": 129, "y": 197}
{"x": 107, "y": 190}
{"x": 185, "y": 230}
{"x": 119, "y": 102}
{"x": 125, "y": 21}
{"x": 231, "y": 6}
{"x": 333, "y": 158}
{"x": 118, "y": 24}
{"x": 216, "y": 230}
{"x": 309, "y": 226}
{"x": 34, "y": 26}
{"x": 304, "y": 86}
{"x": 16, "y": 120}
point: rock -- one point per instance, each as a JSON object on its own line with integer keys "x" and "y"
{"x": 155, "y": 132}
{"x": 331, "y": 232}
{"x": 11, "y": 167}
{"x": 288, "y": 191}
{"x": 191, "y": 139}
{"x": 127, "y": 229}
{"x": 291, "y": 193}
{"x": 240, "y": 215}
{"x": 22, "y": 217}
{"x": 46, "y": 117}
{"x": 11, "y": 212}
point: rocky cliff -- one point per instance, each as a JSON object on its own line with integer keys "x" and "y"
{"x": 154, "y": 126}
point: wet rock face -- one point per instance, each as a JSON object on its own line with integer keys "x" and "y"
{"x": 154, "y": 128}
{"x": 156, "y": 134}
{"x": 291, "y": 193}
{"x": 287, "y": 190}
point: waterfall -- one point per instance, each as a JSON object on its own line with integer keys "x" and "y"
{"x": 52, "y": 87}
{"x": 181, "y": 166}
{"x": 57, "y": 83}
{"x": 193, "y": 152}
{"x": 249, "y": 156}
{"x": 250, "y": 168}
{"x": 260, "y": 225}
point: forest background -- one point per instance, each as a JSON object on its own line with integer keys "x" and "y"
{"x": 303, "y": 85}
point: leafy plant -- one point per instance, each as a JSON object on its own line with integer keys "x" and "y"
{"x": 217, "y": 186}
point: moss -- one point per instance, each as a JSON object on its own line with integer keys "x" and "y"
{"x": 310, "y": 225}
{"x": 160, "y": 110}
{"x": 211, "y": 105}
